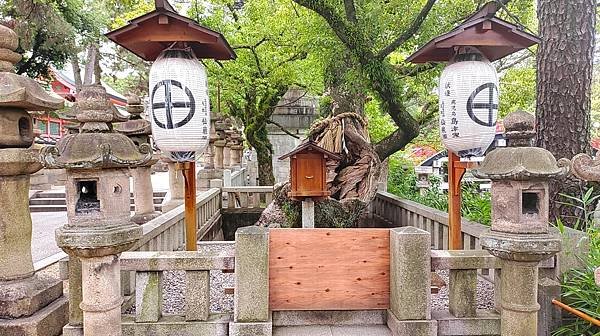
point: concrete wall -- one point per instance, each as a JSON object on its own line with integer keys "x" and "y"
{"x": 296, "y": 112}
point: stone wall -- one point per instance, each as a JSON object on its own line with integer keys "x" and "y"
{"x": 295, "y": 113}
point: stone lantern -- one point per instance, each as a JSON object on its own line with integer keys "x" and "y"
{"x": 97, "y": 161}
{"x": 139, "y": 130}
{"x": 519, "y": 234}
{"x": 30, "y": 304}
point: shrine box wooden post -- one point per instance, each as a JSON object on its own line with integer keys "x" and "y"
{"x": 308, "y": 171}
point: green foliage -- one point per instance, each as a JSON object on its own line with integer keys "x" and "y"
{"x": 517, "y": 90}
{"x": 476, "y": 205}
{"x": 579, "y": 288}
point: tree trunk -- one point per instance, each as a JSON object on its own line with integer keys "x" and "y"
{"x": 76, "y": 72}
{"x": 346, "y": 90}
{"x": 564, "y": 67}
{"x": 257, "y": 136}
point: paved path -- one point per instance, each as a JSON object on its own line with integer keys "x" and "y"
{"x": 43, "y": 244}
{"x": 374, "y": 330}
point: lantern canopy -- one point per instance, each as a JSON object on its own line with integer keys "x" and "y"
{"x": 468, "y": 88}
{"x": 179, "y": 102}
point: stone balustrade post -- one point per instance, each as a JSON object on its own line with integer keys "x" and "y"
{"x": 251, "y": 315}
{"x": 410, "y": 283}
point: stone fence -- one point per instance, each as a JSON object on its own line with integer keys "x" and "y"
{"x": 197, "y": 319}
{"x": 164, "y": 233}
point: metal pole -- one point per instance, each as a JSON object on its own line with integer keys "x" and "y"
{"x": 189, "y": 176}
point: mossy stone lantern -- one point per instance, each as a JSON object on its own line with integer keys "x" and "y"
{"x": 519, "y": 234}
{"x": 308, "y": 171}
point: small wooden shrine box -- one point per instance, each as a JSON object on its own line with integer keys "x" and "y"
{"x": 308, "y": 171}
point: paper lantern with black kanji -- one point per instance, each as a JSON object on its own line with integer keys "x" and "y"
{"x": 469, "y": 98}
{"x": 180, "y": 111}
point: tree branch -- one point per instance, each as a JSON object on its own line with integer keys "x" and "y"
{"x": 350, "y": 10}
{"x": 283, "y": 129}
{"x": 521, "y": 59}
{"x": 408, "y": 33}
{"x": 296, "y": 57}
{"x": 412, "y": 71}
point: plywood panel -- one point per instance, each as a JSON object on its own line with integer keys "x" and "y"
{"x": 329, "y": 269}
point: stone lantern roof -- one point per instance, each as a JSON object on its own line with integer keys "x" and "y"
{"x": 18, "y": 91}
{"x": 96, "y": 145}
{"x": 136, "y": 125}
{"x": 520, "y": 161}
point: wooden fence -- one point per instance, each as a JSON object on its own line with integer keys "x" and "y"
{"x": 248, "y": 197}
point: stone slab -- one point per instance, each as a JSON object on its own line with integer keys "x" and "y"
{"x": 485, "y": 323}
{"x": 350, "y": 330}
{"x": 217, "y": 325}
{"x": 177, "y": 261}
{"x": 251, "y": 329}
{"x": 330, "y": 317}
{"x": 411, "y": 327}
{"x": 48, "y": 321}
{"x": 463, "y": 259}
{"x": 25, "y": 297}
{"x": 70, "y": 330}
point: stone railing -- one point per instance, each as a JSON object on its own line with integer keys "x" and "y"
{"x": 197, "y": 319}
{"x": 164, "y": 233}
{"x": 463, "y": 267}
{"x": 238, "y": 178}
{"x": 248, "y": 197}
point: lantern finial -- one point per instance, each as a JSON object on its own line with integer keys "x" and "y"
{"x": 519, "y": 129}
{"x": 9, "y": 41}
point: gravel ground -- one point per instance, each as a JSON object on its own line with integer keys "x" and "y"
{"x": 485, "y": 294}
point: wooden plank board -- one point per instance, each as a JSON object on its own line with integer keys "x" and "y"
{"x": 329, "y": 269}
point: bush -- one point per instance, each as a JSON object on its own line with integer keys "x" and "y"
{"x": 579, "y": 289}
{"x": 402, "y": 181}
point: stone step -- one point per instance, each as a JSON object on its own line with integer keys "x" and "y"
{"x": 47, "y": 201}
{"x": 330, "y": 317}
{"x": 50, "y": 194}
{"x": 333, "y": 330}
{"x": 157, "y": 207}
{"x": 48, "y": 208}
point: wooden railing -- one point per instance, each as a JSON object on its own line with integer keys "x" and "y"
{"x": 248, "y": 197}
{"x": 149, "y": 267}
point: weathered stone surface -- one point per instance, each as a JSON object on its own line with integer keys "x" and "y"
{"x": 70, "y": 330}
{"x": 463, "y": 293}
{"x": 25, "y": 297}
{"x": 463, "y": 259}
{"x": 484, "y": 324}
{"x": 48, "y": 321}
{"x": 329, "y": 317}
{"x": 143, "y": 195}
{"x": 101, "y": 305}
{"x": 521, "y": 247}
{"x": 549, "y": 316}
{"x": 411, "y": 327}
{"x": 250, "y": 329}
{"x": 217, "y": 325}
{"x": 251, "y": 301}
{"x": 176, "y": 189}
{"x": 197, "y": 295}
{"x": 410, "y": 275}
{"x": 15, "y": 228}
{"x": 148, "y": 296}
{"x": 178, "y": 260}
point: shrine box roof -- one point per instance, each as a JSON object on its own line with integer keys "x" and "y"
{"x": 148, "y": 35}
{"x": 494, "y": 37}
{"x": 311, "y": 146}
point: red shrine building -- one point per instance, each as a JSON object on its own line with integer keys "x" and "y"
{"x": 53, "y": 127}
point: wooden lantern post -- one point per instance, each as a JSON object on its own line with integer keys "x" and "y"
{"x": 495, "y": 39}
{"x": 147, "y": 37}
{"x": 308, "y": 177}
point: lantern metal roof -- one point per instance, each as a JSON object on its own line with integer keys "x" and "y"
{"x": 494, "y": 37}
{"x": 148, "y": 35}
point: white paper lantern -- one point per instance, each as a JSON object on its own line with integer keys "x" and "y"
{"x": 180, "y": 110}
{"x": 469, "y": 96}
